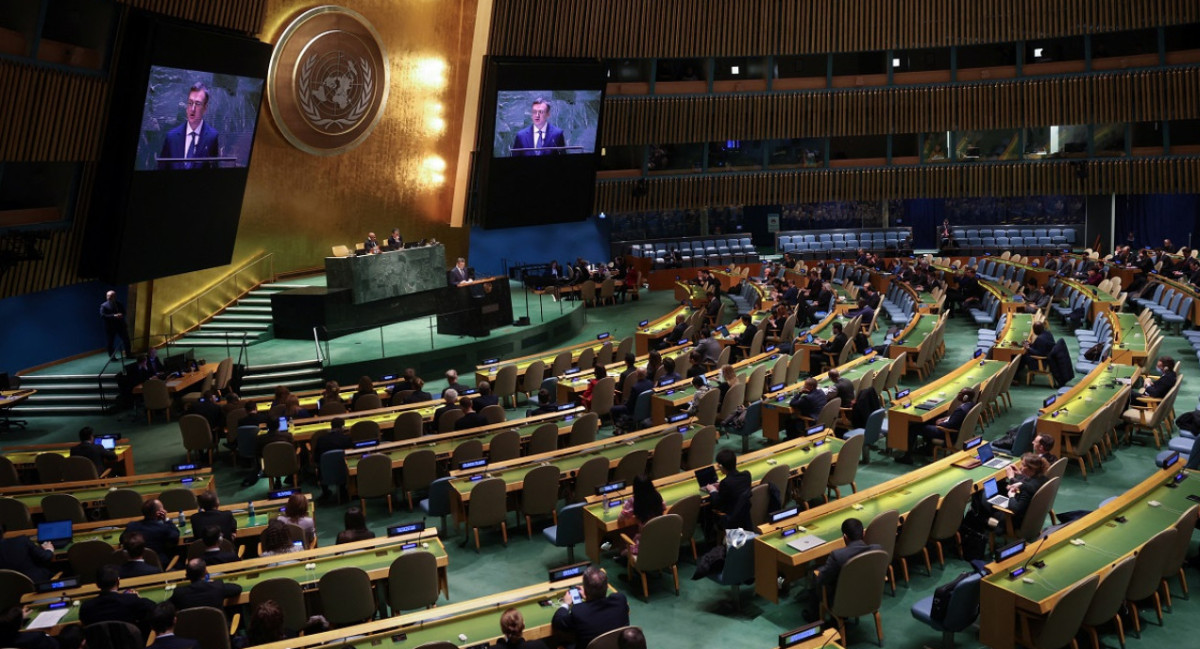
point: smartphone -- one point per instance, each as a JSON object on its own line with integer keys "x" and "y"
{"x": 576, "y": 595}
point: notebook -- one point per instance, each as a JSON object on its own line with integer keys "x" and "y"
{"x": 706, "y": 476}
{"x": 57, "y": 533}
{"x": 989, "y": 458}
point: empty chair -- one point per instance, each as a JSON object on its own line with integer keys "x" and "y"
{"x": 14, "y": 514}
{"x": 688, "y": 510}
{"x": 63, "y": 507}
{"x": 12, "y": 586}
{"x": 49, "y": 467}
{"x": 204, "y": 624}
{"x": 86, "y": 557}
{"x": 420, "y": 470}
{"x": 1146, "y": 580}
{"x": 412, "y": 581}
{"x": 815, "y": 479}
{"x": 539, "y": 494}
{"x": 280, "y": 461}
{"x": 592, "y": 474}
{"x": 408, "y": 425}
{"x": 882, "y": 531}
{"x": 445, "y": 423}
{"x": 78, "y": 469}
{"x": 156, "y": 396}
{"x": 544, "y": 439}
{"x": 346, "y": 596}
{"x": 437, "y": 503}
{"x": 505, "y": 445}
{"x": 914, "y": 533}
{"x": 333, "y": 472}
{"x": 494, "y": 413}
{"x": 584, "y": 430}
{"x": 8, "y": 473}
{"x": 467, "y": 451}
{"x": 197, "y": 436}
{"x": 365, "y": 430}
{"x": 1059, "y": 628}
{"x": 367, "y": 401}
{"x": 178, "y": 499}
{"x": 568, "y": 531}
{"x": 488, "y": 507}
{"x": 949, "y": 518}
{"x": 505, "y": 385}
{"x": 112, "y": 635}
{"x": 1110, "y": 596}
{"x": 846, "y": 467}
{"x": 1174, "y": 563}
{"x": 702, "y": 449}
{"x": 658, "y": 549}
{"x": 631, "y": 465}
{"x": 668, "y": 456}
{"x": 375, "y": 479}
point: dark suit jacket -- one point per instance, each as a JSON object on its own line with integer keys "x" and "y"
{"x": 552, "y": 137}
{"x": 809, "y": 404}
{"x": 1020, "y": 502}
{"x": 94, "y": 452}
{"x": 175, "y": 146}
{"x": 204, "y": 593}
{"x": 332, "y": 442}
{"x": 828, "y": 574}
{"x": 109, "y": 313}
{"x": 458, "y": 275}
{"x": 211, "y": 412}
{"x": 437, "y": 414}
{"x": 470, "y": 420}
{"x": 21, "y": 554}
{"x": 350, "y": 536}
{"x": 1162, "y": 386}
{"x": 111, "y": 606}
{"x": 418, "y": 397}
{"x": 503, "y": 643}
{"x": 479, "y": 403}
{"x": 221, "y": 519}
{"x": 955, "y": 420}
{"x": 173, "y": 642}
{"x": 835, "y": 345}
{"x": 592, "y": 618}
{"x": 1042, "y": 345}
{"x": 395, "y": 243}
{"x": 131, "y": 569}
{"x": 160, "y": 536}
{"x": 845, "y": 391}
{"x": 215, "y": 557}
{"x": 277, "y": 436}
{"x": 733, "y": 489}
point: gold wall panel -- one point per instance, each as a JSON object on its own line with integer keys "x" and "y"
{"x": 298, "y": 205}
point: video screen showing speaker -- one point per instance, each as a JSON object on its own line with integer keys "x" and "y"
{"x": 538, "y": 141}
{"x": 181, "y": 122}
{"x": 197, "y": 119}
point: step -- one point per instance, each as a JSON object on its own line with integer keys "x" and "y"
{"x": 72, "y": 386}
{"x": 53, "y": 378}
{"x": 282, "y": 375}
{"x": 254, "y": 390}
{"x": 210, "y": 343}
{"x": 312, "y": 362}
{"x": 250, "y": 327}
{"x": 232, "y": 335}
{"x": 249, "y": 309}
{"x": 34, "y": 410}
{"x": 42, "y": 398}
{"x": 249, "y": 317}
{"x": 255, "y": 300}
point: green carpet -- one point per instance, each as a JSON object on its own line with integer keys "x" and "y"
{"x": 677, "y": 622}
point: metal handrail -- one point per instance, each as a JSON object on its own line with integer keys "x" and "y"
{"x": 234, "y": 276}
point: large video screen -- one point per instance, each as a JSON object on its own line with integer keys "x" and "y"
{"x": 539, "y": 135}
{"x": 196, "y": 119}
{"x": 546, "y": 122}
{"x": 180, "y": 131}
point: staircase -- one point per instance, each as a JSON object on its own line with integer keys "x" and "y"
{"x": 261, "y": 380}
{"x": 245, "y": 321}
{"x": 68, "y": 394}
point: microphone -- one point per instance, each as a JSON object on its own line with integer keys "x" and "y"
{"x": 1036, "y": 564}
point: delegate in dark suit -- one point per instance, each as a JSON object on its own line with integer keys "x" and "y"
{"x": 809, "y": 404}
{"x": 94, "y": 452}
{"x": 827, "y": 575}
{"x": 111, "y": 606}
{"x": 552, "y": 137}
{"x": 131, "y": 569}
{"x": 221, "y": 519}
{"x": 591, "y": 618}
{"x": 172, "y": 641}
{"x": 160, "y": 536}
{"x": 1159, "y": 388}
{"x": 1039, "y": 346}
{"x": 204, "y": 593}
{"x": 21, "y": 554}
{"x": 459, "y": 275}
{"x": 176, "y": 146}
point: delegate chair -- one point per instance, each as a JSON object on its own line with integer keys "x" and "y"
{"x": 568, "y": 531}
{"x": 63, "y": 507}
{"x": 12, "y": 586}
{"x": 412, "y": 582}
{"x": 156, "y": 397}
{"x": 658, "y": 549}
{"x": 1059, "y": 628}
{"x": 488, "y": 508}
{"x": 539, "y": 495}
{"x": 961, "y": 611}
{"x": 420, "y": 470}
{"x": 207, "y": 625}
{"x": 1146, "y": 581}
{"x": 914, "y": 534}
{"x": 288, "y": 594}
{"x": 14, "y": 514}
{"x": 1107, "y": 602}
{"x": 859, "y": 591}
{"x": 346, "y": 596}
{"x": 375, "y": 479}
{"x": 437, "y": 503}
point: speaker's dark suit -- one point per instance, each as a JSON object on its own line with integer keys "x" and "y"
{"x": 552, "y": 137}
{"x": 176, "y": 145}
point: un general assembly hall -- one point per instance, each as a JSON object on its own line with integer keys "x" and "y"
{"x": 599, "y": 324}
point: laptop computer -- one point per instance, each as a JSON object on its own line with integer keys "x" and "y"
{"x": 58, "y": 533}
{"x": 107, "y": 442}
{"x": 805, "y": 543}
{"x": 991, "y": 493}
{"x": 705, "y": 476}
{"x": 989, "y": 459}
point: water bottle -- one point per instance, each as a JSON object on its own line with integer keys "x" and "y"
{"x": 182, "y": 521}
{"x": 251, "y": 512}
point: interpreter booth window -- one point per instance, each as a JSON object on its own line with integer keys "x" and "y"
{"x": 614, "y": 158}
{"x": 676, "y": 158}
{"x": 1054, "y": 56}
{"x": 1185, "y": 136}
{"x": 800, "y": 72}
{"x": 735, "y": 155}
{"x": 681, "y": 76}
{"x": 1066, "y": 141}
{"x": 76, "y": 33}
{"x": 853, "y": 69}
{"x": 906, "y": 148}
{"x": 858, "y": 151}
{"x": 1181, "y": 43}
{"x": 935, "y": 147}
{"x": 1128, "y": 49}
{"x": 796, "y": 153}
{"x": 37, "y": 193}
{"x": 1108, "y": 140}
{"x": 990, "y": 145}
{"x": 740, "y": 74}
{"x": 928, "y": 65}
{"x": 629, "y": 76}
{"x": 1146, "y": 138}
{"x": 991, "y": 61}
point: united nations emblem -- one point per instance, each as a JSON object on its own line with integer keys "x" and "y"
{"x": 328, "y": 81}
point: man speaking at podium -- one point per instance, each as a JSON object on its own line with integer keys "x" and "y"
{"x": 541, "y": 134}
{"x": 459, "y": 274}
{"x": 194, "y": 138}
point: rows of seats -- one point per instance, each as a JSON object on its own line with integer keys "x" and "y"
{"x": 817, "y": 243}
{"x": 899, "y": 304}
{"x": 997, "y": 271}
{"x": 1170, "y": 305}
{"x": 1010, "y": 238}
{"x": 709, "y": 251}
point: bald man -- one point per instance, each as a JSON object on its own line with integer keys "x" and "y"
{"x": 112, "y": 312}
